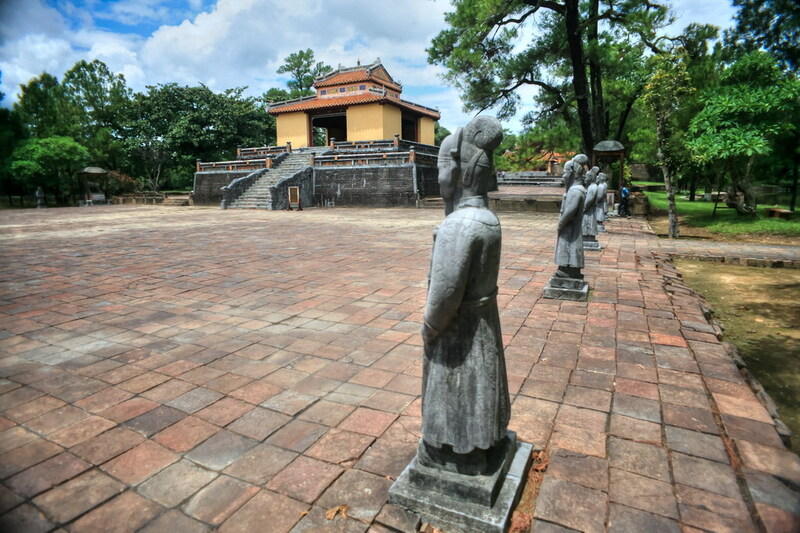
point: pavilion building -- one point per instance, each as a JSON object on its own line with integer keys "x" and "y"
{"x": 354, "y": 104}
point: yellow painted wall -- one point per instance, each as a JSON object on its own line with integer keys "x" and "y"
{"x": 426, "y": 135}
{"x": 392, "y": 122}
{"x": 373, "y": 122}
{"x": 293, "y": 127}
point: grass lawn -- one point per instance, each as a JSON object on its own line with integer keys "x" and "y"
{"x": 726, "y": 222}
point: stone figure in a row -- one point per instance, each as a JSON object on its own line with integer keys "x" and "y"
{"x": 567, "y": 282}
{"x": 469, "y": 468}
{"x": 590, "y": 210}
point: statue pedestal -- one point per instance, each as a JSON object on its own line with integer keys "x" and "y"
{"x": 590, "y": 243}
{"x": 601, "y": 227}
{"x": 459, "y": 502}
{"x": 575, "y": 290}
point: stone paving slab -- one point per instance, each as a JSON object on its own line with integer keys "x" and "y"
{"x": 182, "y": 369}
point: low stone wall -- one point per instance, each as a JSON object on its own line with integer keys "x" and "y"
{"x": 303, "y": 179}
{"x": 207, "y": 185}
{"x": 373, "y": 186}
{"x": 536, "y": 205}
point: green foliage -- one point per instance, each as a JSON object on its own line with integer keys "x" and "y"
{"x": 50, "y": 163}
{"x": 772, "y": 25}
{"x": 304, "y": 70}
{"x": 576, "y": 53}
{"x": 754, "y": 105}
{"x": 11, "y": 133}
{"x": 43, "y": 109}
{"x": 171, "y": 126}
{"x": 439, "y": 133}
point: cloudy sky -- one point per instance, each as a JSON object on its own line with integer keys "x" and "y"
{"x": 230, "y": 43}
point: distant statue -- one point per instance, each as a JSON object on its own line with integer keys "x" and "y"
{"x": 589, "y": 212}
{"x": 569, "y": 245}
{"x": 465, "y": 402}
{"x": 601, "y": 206}
{"x": 40, "y": 198}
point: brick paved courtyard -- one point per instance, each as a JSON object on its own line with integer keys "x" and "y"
{"x": 186, "y": 370}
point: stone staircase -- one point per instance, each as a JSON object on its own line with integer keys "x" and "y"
{"x": 258, "y": 195}
{"x": 176, "y": 201}
{"x": 530, "y": 178}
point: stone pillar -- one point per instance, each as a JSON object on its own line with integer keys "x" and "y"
{"x": 197, "y": 165}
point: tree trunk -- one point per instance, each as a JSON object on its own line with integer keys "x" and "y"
{"x": 793, "y": 199}
{"x": 674, "y": 230}
{"x": 599, "y": 118}
{"x": 579, "y": 81}
{"x": 741, "y": 196}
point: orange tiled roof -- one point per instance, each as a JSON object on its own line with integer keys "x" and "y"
{"x": 356, "y": 99}
{"x": 358, "y": 74}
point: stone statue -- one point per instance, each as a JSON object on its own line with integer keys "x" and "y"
{"x": 589, "y": 211}
{"x": 463, "y": 343}
{"x": 602, "y": 187}
{"x": 567, "y": 282}
{"x": 466, "y": 449}
{"x": 569, "y": 245}
{"x": 40, "y": 198}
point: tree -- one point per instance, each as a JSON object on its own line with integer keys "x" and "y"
{"x": 304, "y": 70}
{"x": 10, "y": 134}
{"x": 439, "y": 133}
{"x": 43, "y": 109}
{"x": 772, "y": 25}
{"x": 171, "y": 126}
{"x": 488, "y": 63}
{"x": 755, "y": 106}
{"x": 50, "y": 163}
{"x": 664, "y": 93}
{"x": 99, "y": 98}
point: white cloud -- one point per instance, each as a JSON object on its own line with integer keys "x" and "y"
{"x": 243, "y": 42}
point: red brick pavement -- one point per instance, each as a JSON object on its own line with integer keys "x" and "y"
{"x": 193, "y": 369}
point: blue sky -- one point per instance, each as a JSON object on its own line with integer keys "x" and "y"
{"x": 229, "y": 43}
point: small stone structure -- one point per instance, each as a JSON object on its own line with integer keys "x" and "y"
{"x": 567, "y": 282}
{"x": 40, "y": 198}
{"x": 602, "y": 202}
{"x": 590, "y": 210}
{"x": 469, "y": 469}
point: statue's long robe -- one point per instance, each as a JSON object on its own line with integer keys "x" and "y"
{"x": 589, "y": 215}
{"x": 465, "y": 400}
{"x": 569, "y": 246}
{"x": 601, "y": 206}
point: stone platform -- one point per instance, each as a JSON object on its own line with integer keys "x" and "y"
{"x": 195, "y": 370}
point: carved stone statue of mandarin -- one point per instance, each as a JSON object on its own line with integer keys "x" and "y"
{"x": 589, "y": 211}
{"x": 602, "y": 187}
{"x": 468, "y": 469}
{"x": 40, "y": 198}
{"x": 567, "y": 282}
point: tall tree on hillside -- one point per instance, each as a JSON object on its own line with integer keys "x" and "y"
{"x": 303, "y": 69}
{"x": 493, "y": 48}
{"x": 773, "y": 25}
{"x": 664, "y": 94}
